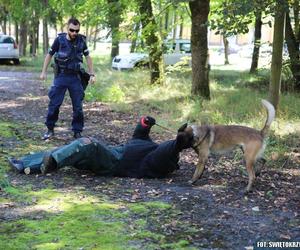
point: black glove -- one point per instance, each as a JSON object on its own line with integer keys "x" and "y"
{"x": 148, "y": 120}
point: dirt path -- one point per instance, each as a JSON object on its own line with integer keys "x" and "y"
{"x": 216, "y": 207}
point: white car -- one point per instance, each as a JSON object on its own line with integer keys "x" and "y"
{"x": 9, "y": 49}
{"x": 174, "y": 52}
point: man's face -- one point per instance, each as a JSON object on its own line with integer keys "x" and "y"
{"x": 73, "y": 30}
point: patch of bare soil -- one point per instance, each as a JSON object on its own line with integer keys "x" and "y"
{"x": 223, "y": 218}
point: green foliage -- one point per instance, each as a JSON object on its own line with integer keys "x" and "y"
{"x": 231, "y": 17}
{"x": 106, "y": 94}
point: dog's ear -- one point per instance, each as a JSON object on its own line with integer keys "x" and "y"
{"x": 182, "y": 128}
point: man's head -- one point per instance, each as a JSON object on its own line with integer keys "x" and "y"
{"x": 73, "y": 28}
{"x": 143, "y": 127}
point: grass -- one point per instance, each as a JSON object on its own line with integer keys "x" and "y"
{"x": 63, "y": 220}
{"x": 77, "y": 219}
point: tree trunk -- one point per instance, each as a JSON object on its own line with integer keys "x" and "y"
{"x": 4, "y": 29}
{"x": 293, "y": 49}
{"x": 134, "y": 37}
{"x": 37, "y": 30}
{"x": 45, "y": 36}
{"x": 153, "y": 41}
{"x": 9, "y": 27}
{"x": 226, "y": 50}
{"x": 23, "y": 37}
{"x": 175, "y": 25}
{"x": 166, "y": 26}
{"x": 257, "y": 37}
{"x": 115, "y": 19}
{"x": 17, "y": 32}
{"x": 181, "y": 27}
{"x": 33, "y": 36}
{"x": 296, "y": 20}
{"x": 276, "y": 65}
{"x": 95, "y": 37}
{"x": 199, "y": 46}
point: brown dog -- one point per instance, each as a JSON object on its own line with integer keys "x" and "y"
{"x": 223, "y": 138}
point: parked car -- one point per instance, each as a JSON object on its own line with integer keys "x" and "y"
{"x": 174, "y": 51}
{"x": 9, "y": 49}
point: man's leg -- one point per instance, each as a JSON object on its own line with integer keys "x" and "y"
{"x": 76, "y": 94}
{"x": 87, "y": 154}
{"x": 56, "y": 96}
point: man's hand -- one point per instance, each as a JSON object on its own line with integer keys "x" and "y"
{"x": 43, "y": 76}
{"x": 92, "y": 79}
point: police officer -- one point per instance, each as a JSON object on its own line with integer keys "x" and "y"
{"x": 68, "y": 49}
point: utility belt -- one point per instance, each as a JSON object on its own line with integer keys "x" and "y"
{"x": 83, "y": 75}
{"x": 68, "y": 71}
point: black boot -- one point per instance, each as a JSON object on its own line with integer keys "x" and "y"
{"x": 48, "y": 135}
{"x": 77, "y": 135}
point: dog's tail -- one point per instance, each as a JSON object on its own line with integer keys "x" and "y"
{"x": 270, "y": 117}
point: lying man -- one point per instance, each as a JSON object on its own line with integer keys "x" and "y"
{"x": 140, "y": 157}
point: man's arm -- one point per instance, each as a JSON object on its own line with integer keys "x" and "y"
{"x": 45, "y": 66}
{"x": 90, "y": 68}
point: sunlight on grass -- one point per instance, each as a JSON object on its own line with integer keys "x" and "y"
{"x": 81, "y": 220}
{"x": 52, "y": 200}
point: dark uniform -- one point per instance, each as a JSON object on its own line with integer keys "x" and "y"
{"x": 139, "y": 157}
{"x": 68, "y": 59}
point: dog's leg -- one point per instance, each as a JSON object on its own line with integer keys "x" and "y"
{"x": 252, "y": 152}
{"x": 202, "y": 158}
{"x": 198, "y": 172}
{"x": 251, "y": 173}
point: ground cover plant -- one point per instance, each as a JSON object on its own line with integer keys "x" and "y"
{"x": 70, "y": 209}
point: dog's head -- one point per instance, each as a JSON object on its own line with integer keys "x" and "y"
{"x": 199, "y": 133}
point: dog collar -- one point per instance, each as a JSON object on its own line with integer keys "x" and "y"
{"x": 207, "y": 133}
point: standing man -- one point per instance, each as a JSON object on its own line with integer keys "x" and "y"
{"x": 68, "y": 49}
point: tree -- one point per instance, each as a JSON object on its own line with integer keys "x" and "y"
{"x": 228, "y": 18}
{"x": 292, "y": 37}
{"x": 231, "y": 17}
{"x": 257, "y": 37}
{"x": 276, "y": 65}
{"x": 199, "y": 46}
{"x": 115, "y": 9}
{"x": 153, "y": 41}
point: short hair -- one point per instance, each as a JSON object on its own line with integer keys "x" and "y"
{"x": 74, "y": 21}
